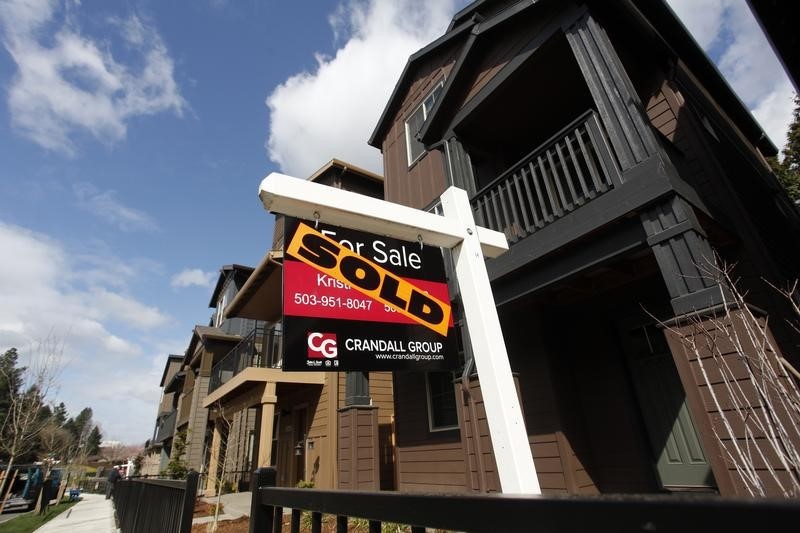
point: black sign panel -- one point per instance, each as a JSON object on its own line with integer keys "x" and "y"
{"x": 358, "y": 301}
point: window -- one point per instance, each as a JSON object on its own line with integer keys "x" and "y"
{"x": 442, "y": 413}
{"x": 416, "y": 120}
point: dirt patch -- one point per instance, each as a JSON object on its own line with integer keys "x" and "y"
{"x": 202, "y": 508}
{"x": 242, "y": 525}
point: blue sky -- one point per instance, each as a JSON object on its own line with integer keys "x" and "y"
{"x": 134, "y": 134}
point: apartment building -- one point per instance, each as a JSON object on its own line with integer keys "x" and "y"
{"x": 629, "y": 179}
{"x": 332, "y": 429}
{"x": 157, "y": 449}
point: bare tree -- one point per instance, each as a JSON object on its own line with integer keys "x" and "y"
{"x": 751, "y": 391}
{"x": 29, "y": 394}
{"x": 222, "y": 463}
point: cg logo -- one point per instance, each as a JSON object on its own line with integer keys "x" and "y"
{"x": 322, "y": 345}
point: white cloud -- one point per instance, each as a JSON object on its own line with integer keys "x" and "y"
{"x": 67, "y": 83}
{"x": 745, "y": 59}
{"x": 47, "y": 291}
{"x": 193, "y": 276}
{"x": 106, "y": 206}
{"x": 330, "y": 112}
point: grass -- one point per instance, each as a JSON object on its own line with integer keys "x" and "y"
{"x": 27, "y": 523}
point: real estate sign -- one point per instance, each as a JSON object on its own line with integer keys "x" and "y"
{"x": 358, "y": 301}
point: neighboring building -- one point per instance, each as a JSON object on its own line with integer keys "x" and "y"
{"x": 332, "y": 429}
{"x": 158, "y": 448}
{"x": 618, "y": 162}
{"x": 207, "y": 346}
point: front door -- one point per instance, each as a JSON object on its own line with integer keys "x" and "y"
{"x": 680, "y": 460}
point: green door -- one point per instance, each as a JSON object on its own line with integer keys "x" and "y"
{"x": 680, "y": 460}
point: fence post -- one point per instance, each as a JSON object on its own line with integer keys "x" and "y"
{"x": 261, "y": 515}
{"x": 188, "y": 501}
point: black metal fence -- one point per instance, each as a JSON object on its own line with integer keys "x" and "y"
{"x": 148, "y": 505}
{"x": 661, "y": 513}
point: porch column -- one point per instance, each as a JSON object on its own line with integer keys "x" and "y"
{"x": 617, "y": 103}
{"x": 268, "y": 401}
{"x": 213, "y": 463}
{"x": 356, "y": 388}
{"x": 684, "y": 255}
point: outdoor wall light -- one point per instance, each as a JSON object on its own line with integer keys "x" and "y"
{"x": 298, "y": 448}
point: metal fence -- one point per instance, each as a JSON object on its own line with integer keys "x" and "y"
{"x": 661, "y": 513}
{"x": 149, "y": 505}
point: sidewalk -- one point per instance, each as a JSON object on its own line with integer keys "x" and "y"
{"x": 234, "y": 506}
{"x": 92, "y": 514}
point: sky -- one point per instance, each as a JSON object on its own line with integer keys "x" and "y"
{"x": 134, "y": 135}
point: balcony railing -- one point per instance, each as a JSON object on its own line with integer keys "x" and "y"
{"x": 570, "y": 169}
{"x": 260, "y": 348}
{"x": 166, "y": 427}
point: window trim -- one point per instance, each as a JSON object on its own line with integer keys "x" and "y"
{"x": 429, "y": 404}
{"x": 425, "y": 112}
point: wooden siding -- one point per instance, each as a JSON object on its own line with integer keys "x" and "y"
{"x": 425, "y": 180}
{"x": 435, "y": 467}
{"x": 358, "y": 465}
{"x": 547, "y": 394}
{"x": 518, "y": 37}
{"x": 704, "y": 353}
{"x": 426, "y": 460}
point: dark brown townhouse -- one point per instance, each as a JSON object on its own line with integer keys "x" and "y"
{"x": 625, "y": 173}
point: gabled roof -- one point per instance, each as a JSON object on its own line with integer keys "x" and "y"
{"x": 202, "y": 333}
{"x": 173, "y": 358}
{"x": 400, "y": 89}
{"x": 260, "y": 296}
{"x": 223, "y": 275}
{"x": 343, "y": 165}
{"x": 655, "y": 13}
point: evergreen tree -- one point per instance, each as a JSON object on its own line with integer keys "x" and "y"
{"x": 788, "y": 170}
{"x": 60, "y": 414}
{"x": 10, "y": 379}
{"x": 93, "y": 441}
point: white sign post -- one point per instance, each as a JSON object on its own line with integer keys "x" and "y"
{"x": 457, "y": 231}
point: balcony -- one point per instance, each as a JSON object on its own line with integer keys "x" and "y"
{"x": 567, "y": 171}
{"x": 166, "y": 427}
{"x": 261, "y": 348}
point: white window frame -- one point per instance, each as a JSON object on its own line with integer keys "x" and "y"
{"x": 427, "y": 104}
{"x": 429, "y": 402}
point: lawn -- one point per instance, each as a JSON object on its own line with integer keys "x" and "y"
{"x": 30, "y": 522}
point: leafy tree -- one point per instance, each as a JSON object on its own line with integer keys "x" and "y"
{"x": 788, "y": 170}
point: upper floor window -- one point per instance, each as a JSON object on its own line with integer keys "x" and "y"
{"x": 416, "y": 120}
{"x": 226, "y": 296}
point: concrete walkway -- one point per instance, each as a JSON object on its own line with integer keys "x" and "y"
{"x": 234, "y": 506}
{"x": 92, "y": 514}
